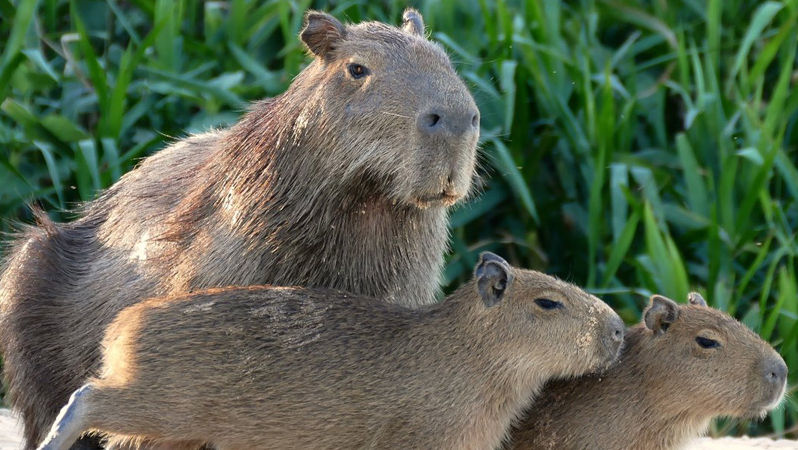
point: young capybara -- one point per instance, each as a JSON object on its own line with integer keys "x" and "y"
{"x": 284, "y": 367}
{"x": 341, "y": 182}
{"x": 682, "y": 366}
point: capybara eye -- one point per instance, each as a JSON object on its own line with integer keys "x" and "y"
{"x": 707, "y": 342}
{"x": 547, "y": 304}
{"x": 357, "y": 71}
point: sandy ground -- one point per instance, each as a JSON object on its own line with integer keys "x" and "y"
{"x": 10, "y": 439}
{"x": 740, "y": 444}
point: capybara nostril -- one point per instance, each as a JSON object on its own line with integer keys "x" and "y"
{"x": 429, "y": 123}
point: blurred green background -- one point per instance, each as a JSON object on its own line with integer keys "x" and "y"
{"x": 628, "y": 146}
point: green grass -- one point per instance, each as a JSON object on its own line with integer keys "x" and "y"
{"x": 633, "y": 147}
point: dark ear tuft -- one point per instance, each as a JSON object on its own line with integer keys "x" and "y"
{"x": 321, "y": 32}
{"x": 660, "y": 314}
{"x": 694, "y": 298}
{"x": 493, "y": 276}
{"x": 412, "y": 22}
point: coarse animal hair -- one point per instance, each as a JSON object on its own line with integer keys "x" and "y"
{"x": 681, "y": 367}
{"x": 285, "y": 367}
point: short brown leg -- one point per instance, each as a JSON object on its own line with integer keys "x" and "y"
{"x": 71, "y": 421}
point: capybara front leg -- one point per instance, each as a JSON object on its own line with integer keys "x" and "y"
{"x": 70, "y": 423}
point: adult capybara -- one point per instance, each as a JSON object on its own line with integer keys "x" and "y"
{"x": 680, "y": 368}
{"x": 342, "y": 182}
{"x": 283, "y": 367}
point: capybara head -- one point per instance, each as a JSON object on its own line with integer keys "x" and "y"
{"x": 571, "y": 331}
{"x": 714, "y": 363}
{"x": 396, "y": 106}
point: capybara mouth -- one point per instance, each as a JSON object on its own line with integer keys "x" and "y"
{"x": 608, "y": 363}
{"x": 776, "y": 399}
{"x": 759, "y": 410}
{"x": 613, "y": 357}
{"x": 443, "y": 198}
{"x": 612, "y": 353}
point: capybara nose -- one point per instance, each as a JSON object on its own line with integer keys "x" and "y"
{"x": 614, "y": 332}
{"x": 441, "y": 122}
{"x": 616, "y": 329}
{"x": 776, "y": 371}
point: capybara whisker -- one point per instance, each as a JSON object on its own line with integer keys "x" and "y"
{"x": 396, "y": 114}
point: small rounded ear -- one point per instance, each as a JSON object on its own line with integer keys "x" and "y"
{"x": 493, "y": 276}
{"x": 321, "y": 32}
{"x": 412, "y": 22}
{"x": 694, "y": 298}
{"x": 660, "y": 314}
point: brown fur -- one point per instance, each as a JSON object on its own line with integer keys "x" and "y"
{"x": 339, "y": 182}
{"x": 284, "y": 367}
{"x": 664, "y": 390}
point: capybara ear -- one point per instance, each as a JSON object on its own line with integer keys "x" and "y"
{"x": 694, "y": 298}
{"x": 321, "y": 33}
{"x": 412, "y": 22}
{"x": 660, "y": 314}
{"x": 493, "y": 276}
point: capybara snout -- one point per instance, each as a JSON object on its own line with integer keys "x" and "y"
{"x": 773, "y": 381}
{"x": 444, "y": 127}
{"x": 610, "y": 331}
{"x": 612, "y": 337}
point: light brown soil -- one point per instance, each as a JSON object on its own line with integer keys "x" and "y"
{"x": 10, "y": 439}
